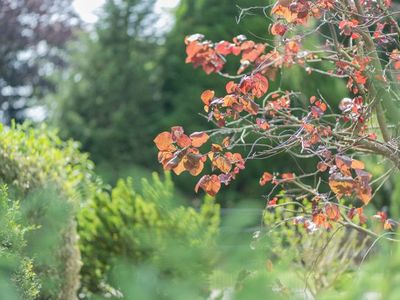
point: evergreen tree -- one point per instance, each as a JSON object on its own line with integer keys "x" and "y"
{"x": 107, "y": 100}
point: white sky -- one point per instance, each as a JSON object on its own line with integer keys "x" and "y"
{"x": 87, "y": 9}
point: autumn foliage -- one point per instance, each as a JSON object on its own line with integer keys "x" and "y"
{"x": 359, "y": 43}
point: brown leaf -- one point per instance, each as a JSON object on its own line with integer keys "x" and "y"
{"x": 364, "y": 190}
{"x": 344, "y": 164}
{"x": 342, "y": 185}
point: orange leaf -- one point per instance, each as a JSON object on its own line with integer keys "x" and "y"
{"x": 321, "y": 221}
{"x": 198, "y": 138}
{"x": 388, "y": 225}
{"x": 332, "y": 211}
{"x": 216, "y": 148}
{"x": 193, "y": 163}
{"x": 288, "y": 176}
{"x": 164, "y": 142}
{"x": 342, "y": 185}
{"x": 322, "y": 167}
{"x": 357, "y": 164}
{"x": 343, "y": 163}
{"x": 262, "y": 124}
{"x": 226, "y": 141}
{"x": 266, "y": 177}
{"x": 207, "y": 96}
{"x": 209, "y": 183}
{"x": 364, "y": 190}
{"x": 184, "y": 141}
{"x": 179, "y": 168}
{"x": 164, "y": 157}
{"x": 285, "y": 12}
{"x": 278, "y": 29}
{"x": 231, "y": 87}
{"x": 179, "y": 137}
{"x": 222, "y": 163}
{"x": 229, "y": 100}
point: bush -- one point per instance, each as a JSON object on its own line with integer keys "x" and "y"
{"x": 144, "y": 227}
{"x": 36, "y": 158}
{"x": 17, "y": 278}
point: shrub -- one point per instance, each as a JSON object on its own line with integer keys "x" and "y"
{"x": 17, "y": 277}
{"x": 36, "y": 158}
{"x": 144, "y": 227}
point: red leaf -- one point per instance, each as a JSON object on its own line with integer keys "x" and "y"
{"x": 272, "y": 202}
{"x": 278, "y": 29}
{"x": 266, "y": 177}
{"x": 223, "y": 48}
{"x": 288, "y": 176}
{"x": 322, "y": 167}
{"x": 231, "y": 87}
{"x": 262, "y": 124}
{"x": 179, "y": 137}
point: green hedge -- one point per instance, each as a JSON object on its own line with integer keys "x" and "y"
{"x": 17, "y": 278}
{"x": 145, "y": 227}
{"x": 33, "y": 159}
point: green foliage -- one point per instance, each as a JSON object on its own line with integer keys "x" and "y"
{"x": 377, "y": 276}
{"x": 144, "y": 227}
{"x": 17, "y": 277}
{"x": 33, "y": 160}
{"x": 318, "y": 260}
{"x": 108, "y": 99}
{"x": 395, "y": 198}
